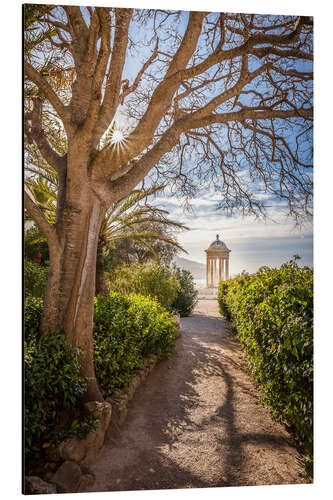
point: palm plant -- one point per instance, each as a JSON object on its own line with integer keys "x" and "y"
{"x": 131, "y": 217}
{"x": 44, "y": 190}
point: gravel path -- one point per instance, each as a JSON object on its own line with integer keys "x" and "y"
{"x": 196, "y": 421}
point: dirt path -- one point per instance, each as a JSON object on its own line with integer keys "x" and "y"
{"x": 196, "y": 421}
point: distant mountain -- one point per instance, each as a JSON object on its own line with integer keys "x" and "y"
{"x": 197, "y": 269}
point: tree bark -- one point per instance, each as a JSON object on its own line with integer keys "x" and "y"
{"x": 101, "y": 286}
{"x": 91, "y": 179}
{"x": 69, "y": 301}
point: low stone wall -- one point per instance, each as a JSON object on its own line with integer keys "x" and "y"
{"x": 76, "y": 455}
{"x": 208, "y": 293}
{"x": 120, "y": 402}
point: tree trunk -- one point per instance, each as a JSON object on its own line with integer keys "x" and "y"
{"x": 101, "y": 286}
{"x": 69, "y": 300}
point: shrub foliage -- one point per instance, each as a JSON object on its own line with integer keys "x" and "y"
{"x": 52, "y": 386}
{"x": 272, "y": 315}
{"x": 150, "y": 279}
{"x": 128, "y": 329}
{"x": 186, "y": 298}
{"x": 35, "y": 279}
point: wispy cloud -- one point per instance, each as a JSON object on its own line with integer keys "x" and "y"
{"x": 253, "y": 242}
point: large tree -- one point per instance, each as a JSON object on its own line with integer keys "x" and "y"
{"x": 222, "y": 98}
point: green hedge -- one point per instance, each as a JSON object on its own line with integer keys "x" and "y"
{"x": 127, "y": 329}
{"x": 35, "y": 279}
{"x": 33, "y": 307}
{"x": 186, "y": 298}
{"x": 272, "y": 315}
{"x": 52, "y": 386}
{"x": 150, "y": 279}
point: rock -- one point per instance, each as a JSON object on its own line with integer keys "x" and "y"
{"x": 52, "y": 466}
{"x": 48, "y": 475}
{"x": 122, "y": 415}
{"x": 133, "y": 387}
{"x": 34, "y": 485}
{"x": 152, "y": 360}
{"x": 85, "y": 481}
{"x": 85, "y": 451}
{"x": 113, "y": 400}
{"x": 119, "y": 412}
{"x": 72, "y": 449}
{"x": 95, "y": 440}
{"x": 142, "y": 374}
{"x": 67, "y": 478}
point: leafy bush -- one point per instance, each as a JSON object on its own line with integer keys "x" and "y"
{"x": 52, "y": 386}
{"x": 35, "y": 242}
{"x": 33, "y": 307}
{"x": 127, "y": 329}
{"x": 272, "y": 315}
{"x": 35, "y": 279}
{"x": 152, "y": 279}
{"x": 187, "y": 294}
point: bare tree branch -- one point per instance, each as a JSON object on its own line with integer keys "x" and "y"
{"x": 49, "y": 93}
{"x": 229, "y": 86}
{"x": 114, "y": 77}
{"x": 162, "y": 96}
{"x": 35, "y": 133}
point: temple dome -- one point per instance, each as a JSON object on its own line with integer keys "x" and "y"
{"x": 218, "y": 244}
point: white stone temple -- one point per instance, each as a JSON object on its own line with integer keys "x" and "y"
{"x": 217, "y": 267}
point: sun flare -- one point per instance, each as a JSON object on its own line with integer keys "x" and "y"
{"x": 118, "y": 137}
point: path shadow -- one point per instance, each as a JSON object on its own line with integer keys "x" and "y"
{"x": 165, "y": 409}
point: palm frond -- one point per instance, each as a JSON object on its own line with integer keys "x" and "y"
{"x": 133, "y": 198}
{"x": 142, "y": 236}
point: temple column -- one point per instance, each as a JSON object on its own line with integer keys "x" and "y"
{"x": 220, "y": 269}
{"x": 214, "y": 272}
{"x": 227, "y": 268}
{"x": 211, "y": 273}
{"x": 207, "y": 271}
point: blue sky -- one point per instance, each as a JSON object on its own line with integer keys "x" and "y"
{"x": 253, "y": 242}
{"x": 12, "y": 274}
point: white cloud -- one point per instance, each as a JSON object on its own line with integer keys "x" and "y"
{"x": 253, "y": 242}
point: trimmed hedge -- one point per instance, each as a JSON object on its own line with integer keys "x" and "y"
{"x": 272, "y": 315}
{"x": 150, "y": 279}
{"x": 52, "y": 386}
{"x": 127, "y": 329}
